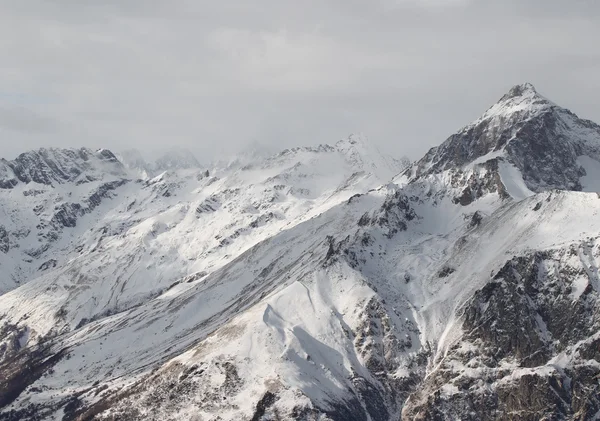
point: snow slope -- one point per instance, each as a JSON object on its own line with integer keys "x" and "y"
{"x": 152, "y": 233}
{"x": 306, "y": 286}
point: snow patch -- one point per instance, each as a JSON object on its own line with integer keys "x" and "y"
{"x": 485, "y": 158}
{"x": 591, "y": 181}
{"x": 513, "y": 181}
{"x": 579, "y": 285}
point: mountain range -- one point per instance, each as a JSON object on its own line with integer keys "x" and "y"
{"x": 319, "y": 283}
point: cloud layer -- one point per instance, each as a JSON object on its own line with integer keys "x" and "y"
{"x": 215, "y": 76}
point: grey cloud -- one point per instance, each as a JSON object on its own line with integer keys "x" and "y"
{"x": 215, "y": 76}
{"x": 21, "y": 119}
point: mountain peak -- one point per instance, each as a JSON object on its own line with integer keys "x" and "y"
{"x": 524, "y": 134}
{"x": 524, "y": 89}
{"x": 358, "y": 150}
{"x": 520, "y": 103}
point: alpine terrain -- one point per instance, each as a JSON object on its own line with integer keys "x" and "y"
{"x": 319, "y": 283}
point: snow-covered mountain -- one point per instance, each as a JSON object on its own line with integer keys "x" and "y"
{"x": 524, "y": 139}
{"x": 320, "y": 283}
{"x": 43, "y": 194}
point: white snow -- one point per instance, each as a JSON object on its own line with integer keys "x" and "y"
{"x": 591, "y": 181}
{"x": 529, "y": 102}
{"x": 513, "y": 181}
{"x": 181, "y": 269}
{"x": 485, "y": 158}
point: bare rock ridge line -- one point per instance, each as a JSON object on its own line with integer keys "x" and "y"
{"x": 318, "y": 283}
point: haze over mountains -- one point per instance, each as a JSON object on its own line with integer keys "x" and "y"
{"x": 318, "y": 283}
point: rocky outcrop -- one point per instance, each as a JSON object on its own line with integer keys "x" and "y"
{"x": 542, "y": 140}
{"x": 50, "y": 166}
{"x": 393, "y": 216}
{"x": 66, "y": 214}
{"x": 483, "y": 180}
{"x": 529, "y": 345}
{"x": 4, "y": 240}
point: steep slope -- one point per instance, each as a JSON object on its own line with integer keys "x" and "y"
{"x": 184, "y": 223}
{"x": 520, "y": 346}
{"x": 43, "y": 195}
{"x": 465, "y": 289}
{"x": 351, "y": 340}
{"x": 521, "y": 145}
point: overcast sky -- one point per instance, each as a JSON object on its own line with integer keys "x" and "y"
{"x": 218, "y": 75}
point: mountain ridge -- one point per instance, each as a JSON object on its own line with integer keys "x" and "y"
{"x": 525, "y": 136}
{"x": 54, "y": 165}
{"x": 465, "y": 288}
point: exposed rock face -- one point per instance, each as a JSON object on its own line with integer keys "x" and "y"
{"x": 393, "y": 216}
{"x": 478, "y": 183}
{"x": 490, "y": 133}
{"x": 66, "y": 214}
{"x": 4, "y": 240}
{"x": 48, "y": 166}
{"x": 546, "y": 152}
{"x": 526, "y": 349}
{"x": 542, "y": 140}
{"x": 43, "y": 194}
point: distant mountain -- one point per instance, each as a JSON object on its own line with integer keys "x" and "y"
{"x": 172, "y": 159}
{"x": 52, "y": 197}
{"x": 48, "y": 166}
{"x": 319, "y": 283}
